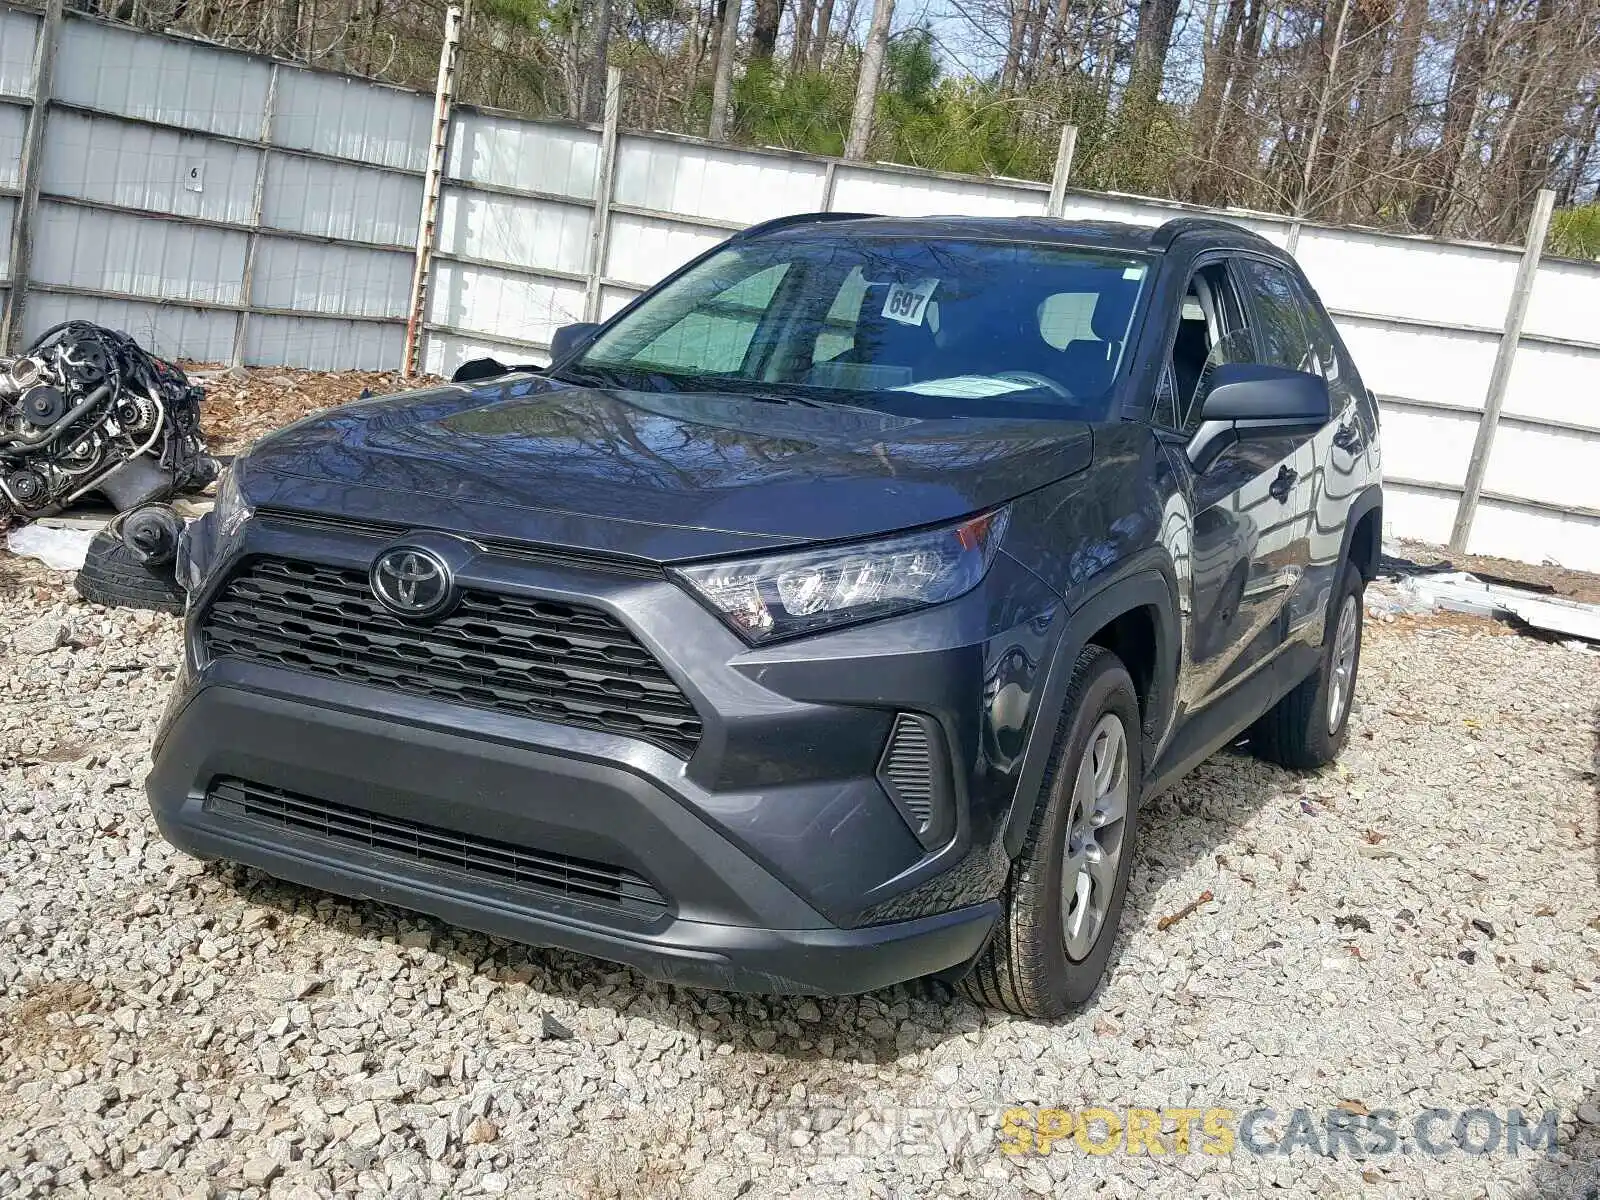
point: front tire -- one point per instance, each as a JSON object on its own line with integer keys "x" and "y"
{"x": 1309, "y": 726}
{"x": 1067, "y": 888}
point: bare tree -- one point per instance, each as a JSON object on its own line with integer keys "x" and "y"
{"x": 867, "y": 83}
{"x": 722, "y": 83}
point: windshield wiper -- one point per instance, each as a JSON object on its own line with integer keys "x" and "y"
{"x": 587, "y": 377}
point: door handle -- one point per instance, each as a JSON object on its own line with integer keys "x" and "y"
{"x": 1281, "y": 486}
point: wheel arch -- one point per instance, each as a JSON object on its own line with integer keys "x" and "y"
{"x": 1135, "y": 616}
{"x": 1363, "y": 532}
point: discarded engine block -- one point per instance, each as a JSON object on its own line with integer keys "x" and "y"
{"x": 86, "y": 409}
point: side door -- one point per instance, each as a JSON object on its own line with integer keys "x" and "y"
{"x": 1282, "y": 339}
{"x": 1229, "y": 583}
{"x": 1344, "y": 452}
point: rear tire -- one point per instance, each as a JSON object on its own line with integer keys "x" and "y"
{"x": 1053, "y": 943}
{"x": 1309, "y": 726}
{"x": 113, "y": 575}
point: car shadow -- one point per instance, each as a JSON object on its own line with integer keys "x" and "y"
{"x": 1179, "y": 828}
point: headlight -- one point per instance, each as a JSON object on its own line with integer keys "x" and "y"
{"x": 231, "y": 510}
{"x": 780, "y": 596}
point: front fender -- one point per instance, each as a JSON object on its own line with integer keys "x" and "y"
{"x": 1145, "y": 581}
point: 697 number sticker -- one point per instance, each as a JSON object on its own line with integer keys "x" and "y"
{"x": 907, "y": 302}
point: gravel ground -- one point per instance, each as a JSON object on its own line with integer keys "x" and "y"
{"x": 1417, "y": 927}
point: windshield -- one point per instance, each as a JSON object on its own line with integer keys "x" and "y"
{"x": 920, "y": 326}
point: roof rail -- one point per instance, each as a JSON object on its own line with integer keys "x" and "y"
{"x": 1170, "y": 232}
{"x": 785, "y": 222}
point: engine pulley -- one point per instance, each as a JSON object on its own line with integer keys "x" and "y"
{"x": 27, "y": 487}
{"x": 43, "y": 405}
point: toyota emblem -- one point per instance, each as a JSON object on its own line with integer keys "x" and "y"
{"x": 412, "y": 582}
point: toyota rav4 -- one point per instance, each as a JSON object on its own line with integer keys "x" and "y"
{"x": 818, "y": 622}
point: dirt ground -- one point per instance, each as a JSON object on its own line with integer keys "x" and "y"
{"x": 243, "y": 405}
{"x": 1546, "y": 577}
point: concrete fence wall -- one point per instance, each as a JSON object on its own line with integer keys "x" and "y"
{"x": 221, "y": 206}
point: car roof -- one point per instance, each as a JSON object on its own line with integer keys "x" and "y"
{"x": 1121, "y": 236}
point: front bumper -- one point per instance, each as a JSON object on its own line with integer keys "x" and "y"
{"x": 782, "y": 862}
{"x": 732, "y": 925}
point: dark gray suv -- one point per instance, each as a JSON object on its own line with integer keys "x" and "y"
{"x": 819, "y": 622}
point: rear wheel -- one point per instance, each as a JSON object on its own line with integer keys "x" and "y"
{"x": 1068, "y": 886}
{"x": 1308, "y": 727}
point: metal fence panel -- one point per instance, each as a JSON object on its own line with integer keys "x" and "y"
{"x": 514, "y": 230}
{"x": 167, "y": 330}
{"x": 170, "y": 80}
{"x": 351, "y": 118}
{"x": 1551, "y": 466}
{"x": 614, "y": 299}
{"x": 1413, "y": 278}
{"x": 1426, "y": 444}
{"x": 715, "y": 182}
{"x": 447, "y": 351}
{"x": 139, "y": 256}
{"x": 1425, "y": 514}
{"x": 902, "y": 194}
{"x": 1139, "y": 210}
{"x": 8, "y": 212}
{"x": 323, "y": 344}
{"x": 1440, "y": 365}
{"x": 644, "y": 249}
{"x": 1539, "y": 536}
{"x": 341, "y": 280}
{"x": 17, "y": 33}
{"x": 150, "y": 170}
{"x": 1564, "y": 304}
{"x": 1557, "y": 383}
{"x": 341, "y": 200}
{"x": 529, "y": 156}
{"x": 503, "y": 305}
{"x": 13, "y": 125}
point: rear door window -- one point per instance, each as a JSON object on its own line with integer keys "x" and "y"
{"x": 1280, "y": 331}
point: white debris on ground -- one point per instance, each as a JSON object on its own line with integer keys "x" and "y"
{"x": 57, "y": 548}
{"x": 1417, "y": 927}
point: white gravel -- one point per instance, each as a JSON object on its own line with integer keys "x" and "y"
{"x": 168, "y": 1028}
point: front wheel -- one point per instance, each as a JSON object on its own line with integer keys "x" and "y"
{"x": 1067, "y": 887}
{"x": 1308, "y": 727}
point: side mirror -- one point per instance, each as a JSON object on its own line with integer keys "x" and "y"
{"x": 1249, "y": 400}
{"x": 569, "y": 338}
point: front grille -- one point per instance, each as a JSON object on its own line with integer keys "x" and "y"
{"x": 575, "y": 879}
{"x": 560, "y": 662}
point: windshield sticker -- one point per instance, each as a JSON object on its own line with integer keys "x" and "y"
{"x": 965, "y": 387}
{"x": 906, "y": 302}
{"x": 1132, "y": 273}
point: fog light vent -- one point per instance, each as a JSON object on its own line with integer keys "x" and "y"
{"x": 915, "y": 773}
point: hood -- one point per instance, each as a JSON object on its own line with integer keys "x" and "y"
{"x": 660, "y": 476}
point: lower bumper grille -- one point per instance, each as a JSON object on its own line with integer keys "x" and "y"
{"x": 463, "y": 854}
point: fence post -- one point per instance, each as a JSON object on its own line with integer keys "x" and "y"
{"x": 22, "y": 220}
{"x": 605, "y": 175}
{"x": 433, "y": 183}
{"x": 1063, "y": 171}
{"x": 1500, "y": 377}
{"x": 830, "y": 180}
{"x": 253, "y": 238}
